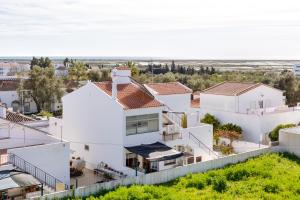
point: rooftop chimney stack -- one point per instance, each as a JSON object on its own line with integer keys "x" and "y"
{"x": 114, "y": 78}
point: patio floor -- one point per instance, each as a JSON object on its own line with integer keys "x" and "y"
{"x": 87, "y": 178}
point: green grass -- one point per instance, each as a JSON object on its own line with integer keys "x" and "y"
{"x": 270, "y": 176}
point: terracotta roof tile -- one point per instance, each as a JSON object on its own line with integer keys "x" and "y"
{"x": 130, "y": 95}
{"x": 17, "y": 117}
{"x": 123, "y": 68}
{"x": 169, "y": 88}
{"x": 231, "y": 88}
{"x": 9, "y": 85}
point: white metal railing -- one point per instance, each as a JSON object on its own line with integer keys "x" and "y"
{"x": 202, "y": 145}
{"x": 271, "y": 110}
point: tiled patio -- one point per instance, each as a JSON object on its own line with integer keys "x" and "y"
{"x": 87, "y": 178}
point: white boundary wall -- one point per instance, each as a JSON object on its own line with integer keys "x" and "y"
{"x": 159, "y": 177}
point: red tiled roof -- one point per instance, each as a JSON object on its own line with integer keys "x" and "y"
{"x": 195, "y": 103}
{"x": 169, "y": 88}
{"x": 9, "y": 85}
{"x": 231, "y": 88}
{"x": 130, "y": 95}
{"x": 17, "y": 117}
{"x": 123, "y": 68}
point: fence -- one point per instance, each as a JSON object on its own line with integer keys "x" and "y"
{"x": 39, "y": 174}
{"x": 159, "y": 177}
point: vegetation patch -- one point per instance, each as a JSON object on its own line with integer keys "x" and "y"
{"x": 270, "y": 176}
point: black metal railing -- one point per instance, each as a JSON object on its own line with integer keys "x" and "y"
{"x": 202, "y": 145}
{"x": 38, "y": 173}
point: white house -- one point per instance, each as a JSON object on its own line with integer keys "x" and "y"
{"x": 10, "y": 98}
{"x": 11, "y": 68}
{"x": 256, "y": 107}
{"x": 19, "y": 101}
{"x": 122, "y": 124}
{"x": 174, "y": 94}
{"x": 34, "y": 151}
{"x": 296, "y": 69}
{"x": 289, "y": 140}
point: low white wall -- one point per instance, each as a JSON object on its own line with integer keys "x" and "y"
{"x": 51, "y": 158}
{"x": 160, "y": 177}
{"x": 55, "y": 127}
{"x": 289, "y": 141}
{"x": 254, "y": 126}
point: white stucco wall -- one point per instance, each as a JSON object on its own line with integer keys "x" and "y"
{"x": 8, "y": 97}
{"x": 289, "y": 140}
{"x": 177, "y": 102}
{"x": 254, "y": 126}
{"x": 271, "y": 98}
{"x": 218, "y": 102}
{"x": 52, "y": 158}
{"x": 92, "y": 117}
{"x": 20, "y": 136}
{"x": 243, "y": 103}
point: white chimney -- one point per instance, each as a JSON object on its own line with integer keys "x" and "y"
{"x": 2, "y": 111}
{"x": 114, "y": 89}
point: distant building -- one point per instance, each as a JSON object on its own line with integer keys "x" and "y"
{"x": 297, "y": 69}
{"x": 11, "y": 68}
{"x": 256, "y": 107}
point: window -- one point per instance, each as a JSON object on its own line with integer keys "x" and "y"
{"x": 170, "y": 162}
{"x": 26, "y": 107}
{"x": 142, "y": 124}
{"x": 261, "y": 104}
{"x": 154, "y": 166}
{"x": 86, "y": 147}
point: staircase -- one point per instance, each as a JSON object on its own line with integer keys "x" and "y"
{"x": 49, "y": 182}
{"x": 203, "y": 146}
{"x": 195, "y": 142}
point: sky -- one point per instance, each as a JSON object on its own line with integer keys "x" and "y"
{"x": 183, "y": 29}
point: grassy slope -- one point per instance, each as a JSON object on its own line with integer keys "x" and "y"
{"x": 272, "y": 176}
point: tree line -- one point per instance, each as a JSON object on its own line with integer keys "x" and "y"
{"x": 47, "y": 88}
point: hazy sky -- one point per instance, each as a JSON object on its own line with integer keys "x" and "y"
{"x": 203, "y": 29}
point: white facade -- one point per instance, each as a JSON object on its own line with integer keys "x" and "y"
{"x": 9, "y": 69}
{"x": 289, "y": 140}
{"x": 257, "y": 111}
{"x": 37, "y": 148}
{"x": 95, "y": 124}
{"x": 297, "y": 69}
{"x": 176, "y": 102}
{"x": 262, "y": 97}
{"x": 11, "y": 97}
{"x": 101, "y": 125}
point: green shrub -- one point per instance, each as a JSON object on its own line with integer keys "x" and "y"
{"x": 231, "y": 127}
{"x": 237, "y": 175}
{"x": 210, "y": 119}
{"x": 45, "y": 113}
{"x": 184, "y": 121}
{"x": 263, "y": 177}
{"x": 219, "y": 184}
{"x": 274, "y": 134}
{"x": 271, "y": 187}
{"x": 226, "y": 150}
{"x": 197, "y": 182}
